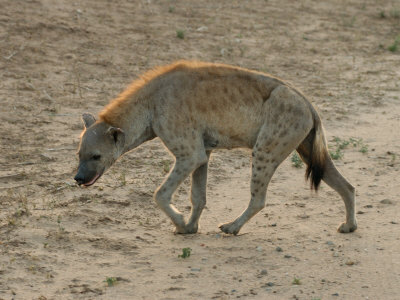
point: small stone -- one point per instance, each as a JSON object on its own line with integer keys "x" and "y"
{"x": 330, "y": 243}
{"x": 349, "y": 262}
{"x": 270, "y": 284}
{"x": 335, "y": 294}
{"x": 368, "y": 206}
{"x": 335, "y": 254}
{"x": 279, "y": 249}
{"x": 259, "y": 248}
{"x": 393, "y": 222}
{"x": 386, "y": 201}
{"x": 360, "y": 212}
{"x": 233, "y": 291}
{"x": 264, "y": 272}
{"x": 287, "y": 256}
{"x": 273, "y": 225}
{"x": 195, "y": 269}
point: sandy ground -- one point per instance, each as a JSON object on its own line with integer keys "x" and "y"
{"x": 58, "y": 241}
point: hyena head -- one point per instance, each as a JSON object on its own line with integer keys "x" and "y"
{"x": 100, "y": 146}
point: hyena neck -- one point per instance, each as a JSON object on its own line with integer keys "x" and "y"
{"x": 135, "y": 122}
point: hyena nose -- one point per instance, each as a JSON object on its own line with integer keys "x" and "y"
{"x": 79, "y": 179}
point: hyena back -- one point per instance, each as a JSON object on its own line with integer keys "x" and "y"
{"x": 195, "y": 108}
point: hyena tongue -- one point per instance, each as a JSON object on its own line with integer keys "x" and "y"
{"x": 92, "y": 181}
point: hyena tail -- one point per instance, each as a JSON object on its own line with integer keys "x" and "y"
{"x": 313, "y": 150}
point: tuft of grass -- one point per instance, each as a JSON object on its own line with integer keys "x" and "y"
{"x": 111, "y": 281}
{"x": 341, "y": 144}
{"x": 122, "y": 178}
{"x": 180, "y": 34}
{"x": 364, "y": 149}
{"x": 395, "y": 13}
{"x": 394, "y": 47}
{"x": 185, "y": 253}
{"x": 60, "y": 227}
{"x": 166, "y": 165}
{"x": 296, "y": 160}
{"x": 296, "y": 281}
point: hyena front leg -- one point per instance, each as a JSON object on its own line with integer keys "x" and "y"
{"x": 183, "y": 167}
{"x": 198, "y": 196}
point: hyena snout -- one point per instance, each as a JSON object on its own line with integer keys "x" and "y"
{"x": 86, "y": 176}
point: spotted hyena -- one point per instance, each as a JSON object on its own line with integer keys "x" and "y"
{"x": 196, "y": 107}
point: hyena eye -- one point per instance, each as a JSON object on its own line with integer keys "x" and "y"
{"x": 96, "y": 157}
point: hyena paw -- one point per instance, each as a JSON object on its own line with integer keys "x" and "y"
{"x": 188, "y": 229}
{"x": 346, "y": 228}
{"x": 230, "y": 228}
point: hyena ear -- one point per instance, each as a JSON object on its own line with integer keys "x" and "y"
{"x": 88, "y": 119}
{"x": 118, "y": 135}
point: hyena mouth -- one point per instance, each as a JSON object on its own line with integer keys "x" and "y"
{"x": 94, "y": 179}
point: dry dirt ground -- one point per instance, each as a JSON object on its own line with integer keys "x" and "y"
{"x": 110, "y": 241}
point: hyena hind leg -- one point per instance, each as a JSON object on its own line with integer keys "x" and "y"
{"x": 268, "y": 154}
{"x": 336, "y": 181}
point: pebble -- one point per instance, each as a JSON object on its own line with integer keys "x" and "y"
{"x": 330, "y": 243}
{"x": 264, "y": 272}
{"x": 259, "y": 248}
{"x": 386, "y": 201}
{"x": 335, "y": 294}
{"x": 195, "y": 269}
{"x": 287, "y": 256}
{"x": 335, "y": 254}
{"x": 279, "y": 249}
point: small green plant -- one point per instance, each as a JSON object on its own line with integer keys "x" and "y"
{"x": 171, "y": 9}
{"x": 59, "y": 224}
{"x": 364, "y": 148}
{"x": 382, "y": 14}
{"x": 166, "y": 165}
{"x": 185, "y": 253}
{"x": 394, "y": 47}
{"x": 180, "y": 34}
{"x": 296, "y": 281}
{"x": 340, "y": 144}
{"x": 395, "y": 13}
{"x": 337, "y": 154}
{"x": 111, "y": 281}
{"x": 122, "y": 178}
{"x": 296, "y": 160}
